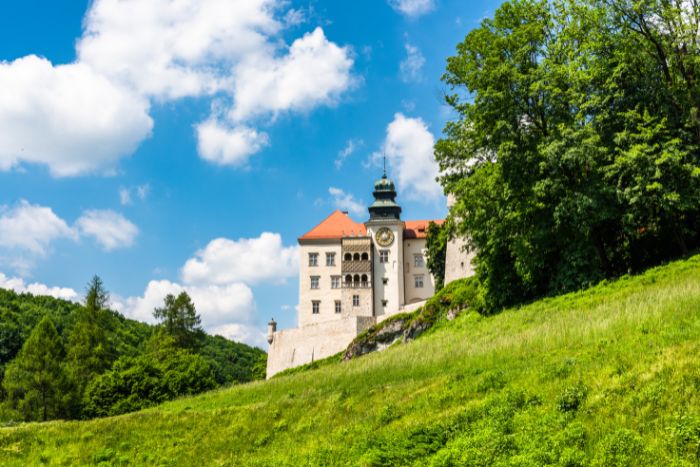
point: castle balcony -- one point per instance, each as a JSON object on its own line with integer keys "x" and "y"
{"x": 357, "y": 285}
{"x": 356, "y": 266}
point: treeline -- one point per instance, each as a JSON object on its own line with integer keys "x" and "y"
{"x": 60, "y": 359}
{"x": 576, "y": 155}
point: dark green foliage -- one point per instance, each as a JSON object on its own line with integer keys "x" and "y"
{"x": 179, "y": 320}
{"x": 35, "y": 381}
{"x": 575, "y": 157}
{"x": 436, "y": 243}
{"x": 95, "y": 337}
{"x": 137, "y": 383}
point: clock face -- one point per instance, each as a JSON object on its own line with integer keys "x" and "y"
{"x": 384, "y": 236}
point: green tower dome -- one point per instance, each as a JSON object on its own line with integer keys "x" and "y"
{"x": 384, "y": 205}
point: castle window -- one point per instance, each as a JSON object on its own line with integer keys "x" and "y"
{"x": 418, "y": 261}
{"x": 335, "y": 282}
{"x": 338, "y": 306}
{"x": 383, "y": 256}
{"x": 385, "y": 303}
{"x": 330, "y": 259}
{"x": 419, "y": 281}
{"x": 356, "y": 257}
{"x": 348, "y": 280}
{"x": 355, "y": 300}
{"x": 315, "y": 306}
{"x": 348, "y": 257}
{"x": 313, "y": 259}
{"x": 365, "y": 257}
{"x": 314, "y": 282}
{"x": 356, "y": 280}
{"x": 385, "y": 280}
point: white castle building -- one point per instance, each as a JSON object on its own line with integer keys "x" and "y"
{"x": 353, "y": 275}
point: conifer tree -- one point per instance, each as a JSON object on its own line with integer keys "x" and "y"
{"x": 179, "y": 320}
{"x": 35, "y": 380}
{"x": 89, "y": 350}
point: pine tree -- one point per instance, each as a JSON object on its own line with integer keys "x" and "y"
{"x": 35, "y": 380}
{"x": 89, "y": 350}
{"x": 179, "y": 320}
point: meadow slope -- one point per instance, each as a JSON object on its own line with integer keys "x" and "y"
{"x": 607, "y": 376}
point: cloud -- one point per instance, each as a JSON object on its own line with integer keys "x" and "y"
{"x": 36, "y": 288}
{"x": 346, "y": 202}
{"x": 68, "y": 118}
{"x": 409, "y": 150}
{"x": 241, "y": 333}
{"x": 124, "y": 196}
{"x": 140, "y": 191}
{"x": 347, "y": 151}
{"x": 110, "y": 229}
{"x": 314, "y": 72}
{"x": 412, "y": 8}
{"x": 218, "y": 279}
{"x": 216, "y": 305}
{"x": 411, "y": 66}
{"x": 221, "y": 145}
{"x": 247, "y": 260}
{"x": 170, "y": 50}
{"x": 31, "y": 228}
{"x": 85, "y": 116}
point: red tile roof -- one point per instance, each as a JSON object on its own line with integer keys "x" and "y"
{"x": 418, "y": 229}
{"x": 337, "y": 225}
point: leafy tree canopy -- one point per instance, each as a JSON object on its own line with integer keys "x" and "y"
{"x": 575, "y": 155}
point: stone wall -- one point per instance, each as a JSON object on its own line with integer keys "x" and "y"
{"x": 294, "y": 347}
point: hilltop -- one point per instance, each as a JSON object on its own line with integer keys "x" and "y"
{"x": 605, "y": 376}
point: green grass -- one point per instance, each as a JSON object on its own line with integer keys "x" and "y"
{"x": 607, "y": 376}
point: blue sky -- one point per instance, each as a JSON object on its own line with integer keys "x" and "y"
{"x": 187, "y": 148}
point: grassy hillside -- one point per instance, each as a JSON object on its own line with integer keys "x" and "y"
{"x": 608, "y": 376}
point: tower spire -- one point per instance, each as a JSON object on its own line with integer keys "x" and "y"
{"x": 384, "y": 153}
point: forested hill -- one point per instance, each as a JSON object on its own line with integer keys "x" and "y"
{"x": 60, "y": 359}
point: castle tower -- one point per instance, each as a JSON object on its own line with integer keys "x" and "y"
{"x": 386, "y": 229}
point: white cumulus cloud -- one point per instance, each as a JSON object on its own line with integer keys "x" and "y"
{"x": 411, "y": 66}
{"x": 36, "y": 288}
{"x": 314, "y": 72}
{"x": 68, "y": 118}
{"x": 109, "y": 228}
{"x": 222, "y": 145}
{"x": 412, "y": 8}
{"x": 85, "y": 116}
{"x": 346, "y": 202}
{"x": 247, "y": 260}
{"x": 241, "y": 333}
{"x": 216, "y": 305}
{"x": 31, "y": 227}
{"x": 409, "y": 150}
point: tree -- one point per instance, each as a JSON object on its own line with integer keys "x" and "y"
{"x": 96, "y": 296}
{"x": 180, "y": 321}
{"x": 576, "y": 153}
{"x": 89, "y": 351}
{"x": 35, "y": 381}
{"x": 436, "y": 243}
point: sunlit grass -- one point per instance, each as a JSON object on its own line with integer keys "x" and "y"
{"x": 608, "y": 376}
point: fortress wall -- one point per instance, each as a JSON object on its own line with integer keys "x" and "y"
{"x": 294, "y": 347}
{"x": 458, "y": 263}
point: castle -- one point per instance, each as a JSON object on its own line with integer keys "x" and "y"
{"x": 353, "y": 275}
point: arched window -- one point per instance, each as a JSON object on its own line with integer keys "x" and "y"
{"x": 364, "y": 278}
{"x": 348, "y": 279}
{"x": 348, "y": 257}
{"x": 356, "y": 257}
{"x": 365, "y": 256}
{"x": 356, "y": 278}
